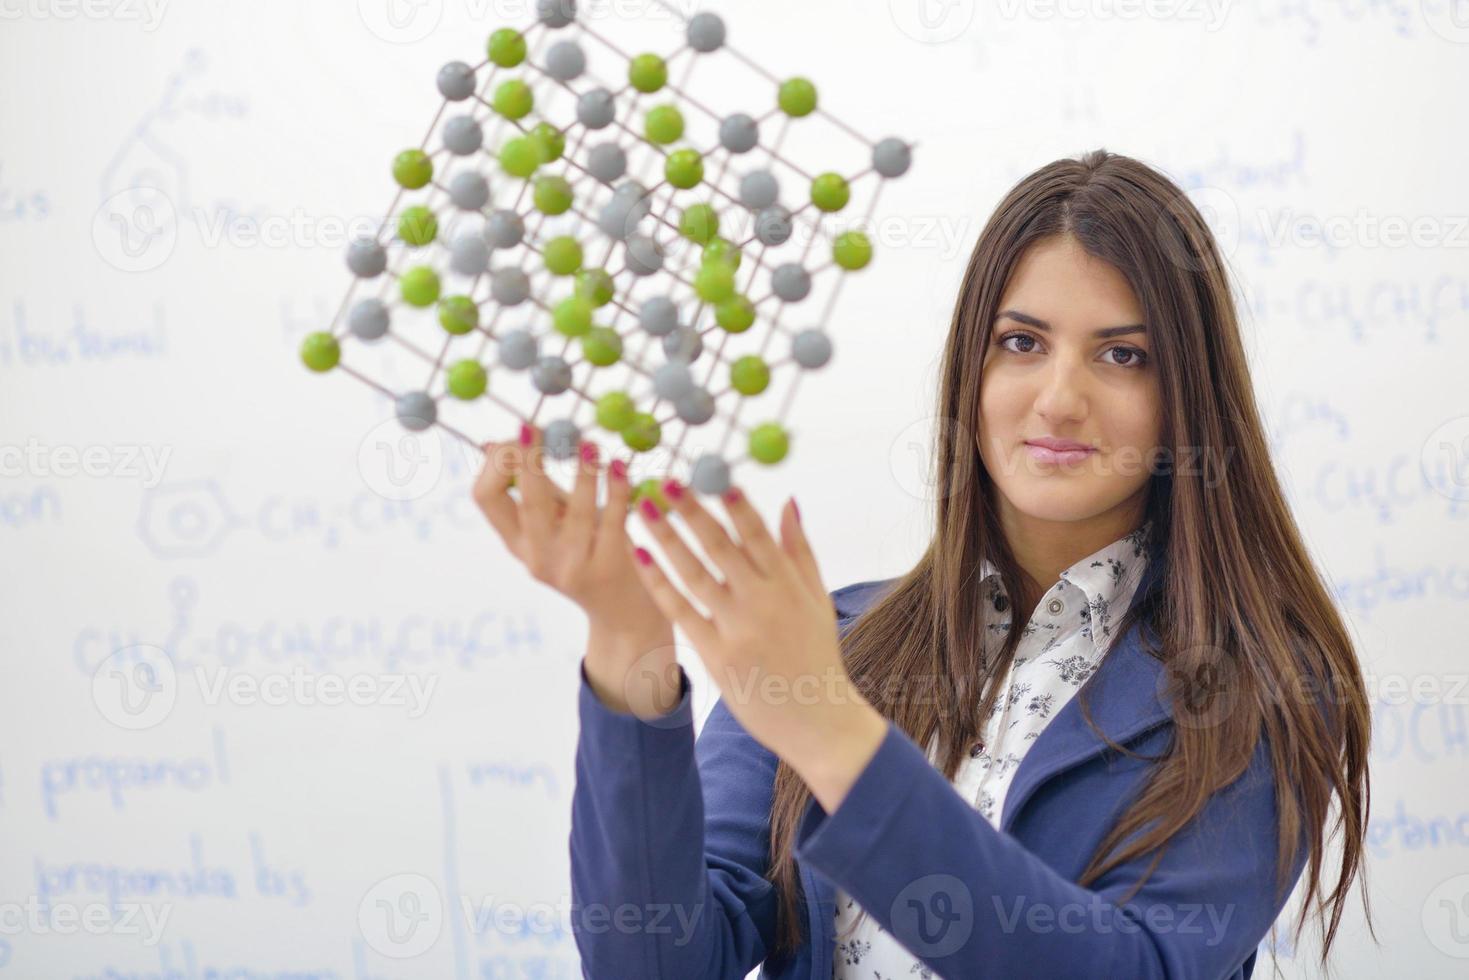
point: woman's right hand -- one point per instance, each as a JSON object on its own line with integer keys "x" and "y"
{"x": 584, "y": 553}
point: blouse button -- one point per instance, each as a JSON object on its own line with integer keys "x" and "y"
{"x": 1001, "y": 603}
{"x": 1055, "y": 606}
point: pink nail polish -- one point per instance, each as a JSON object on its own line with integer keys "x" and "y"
{"x": 731, "y": 496}
{"x": 649, "y": 509}
{"x": 525, "y": 434}
{"x": 673, "y": 489}
{"x": 618, "y": 469}
{"x": 795, "y": 510}
{"x": 589, "y": 452}
{"x": 643, "y": 557}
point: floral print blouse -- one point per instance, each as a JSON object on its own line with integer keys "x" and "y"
{"x": 1060, "y": 647}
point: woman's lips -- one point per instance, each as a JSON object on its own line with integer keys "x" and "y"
{"x": 1061, "y": 456}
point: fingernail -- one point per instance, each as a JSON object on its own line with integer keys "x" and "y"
{"x": 525, "y": 433}
{"x": 731, "y": 495}
{"x": 795, "y": 510}
{"x": 649, "y": 509}
{"x": 589, "y": 452}
{"x": 673, "y": 488}
{"x": 618, "y": 469}
{"x": 643, "y": 557}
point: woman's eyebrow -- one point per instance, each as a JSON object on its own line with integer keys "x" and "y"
{"x": 1042, "y": 325}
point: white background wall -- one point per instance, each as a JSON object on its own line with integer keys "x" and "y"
{"x": 268, "y": 833}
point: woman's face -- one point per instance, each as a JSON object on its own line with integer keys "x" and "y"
{"x": 1048, "y": 374}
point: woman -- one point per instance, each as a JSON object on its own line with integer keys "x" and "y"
{"x": 1137, "y": 698}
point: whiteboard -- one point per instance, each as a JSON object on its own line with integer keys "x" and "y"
{"x": 178, "y": 486}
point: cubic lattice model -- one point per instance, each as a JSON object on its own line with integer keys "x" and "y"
{"x": 645, "y": 261}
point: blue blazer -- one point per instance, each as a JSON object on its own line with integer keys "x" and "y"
{"x": 670, "y": 842}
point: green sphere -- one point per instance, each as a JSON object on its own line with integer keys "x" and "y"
{"x": 507, "y": 47}
{"x": 552, "y": 195}
{"x": 520, "y": 157}
{"x": 420, "y": 286}
{"x": 750, "y": 375}
{"x": 595, "y": 285}
{"x": 572, "y": 317}
{"x": 722, "y": 249}
{"x": 562, "y": 255}
{"x": 643, "y": 433}
{"x": 663, "y": 124}
{"x": 615, "y": 411}
{"x": 700, "y": 223}
{"x": 647, "y": 73}
{"x": 602, "y": 346}
{"x": 684, "y": 168}
{"x": 736, "y": 314}
{"x": 320, "y": 351}
{"x": 714, "y": 282}
{"x": 797, "y": 97}
{"x": 467, "y": 380}
{"x": 852, "y": 250}
{"x": 412, "y": 169}
{"x": 769, "y": 442}
{"x": 652, "y": 488}
{"x": 549, "y": 142}
{"x": 830, "y": 192}
{"x": 417, "y": 225}
{"x": 513, "y": 99}
{"x": 458, "y": 314}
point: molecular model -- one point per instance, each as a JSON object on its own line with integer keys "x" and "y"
{"x": 583, "y": 239}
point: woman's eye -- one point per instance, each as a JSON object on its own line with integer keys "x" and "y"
{"x": 1024, "y": 337}
{"x": 1132, "y": 357}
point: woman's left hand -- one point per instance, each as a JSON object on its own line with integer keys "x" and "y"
{"x": 770, "y": 640}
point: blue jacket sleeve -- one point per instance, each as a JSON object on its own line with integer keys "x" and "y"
{"x": 659, "y": 887}
{"x": 971, "y": 901}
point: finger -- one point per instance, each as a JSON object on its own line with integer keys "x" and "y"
{"x": 797, "y": 546}
{"x": 537, "y": 499}
{"x": 675, "y": 607}
{"x": 725, "y": 552}
{"x": 576, "y": 530}
{"x": 492, "y": 494}
{"x": 765, "y": 554}
{"x": 612, "y": 529}
{"x": 696, "y": 577}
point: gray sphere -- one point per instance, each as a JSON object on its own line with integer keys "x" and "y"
{"x": 463, "y": 136}
{"x": 416, "y": 410}
{"x": 504, "y": 229}
{"x": 739, "y": 133}
{"x": 551, "y": 375}
{"x": 469, "y": 255}
{"x": 607, "y": 162}
{"x": 561, "y": 439}
{"x": 366, "y": 258}
{"x": 791, "y": 282}
{"x": 658, "y": 316}
{"x": 759, "y": 190}
{"x": 683, "y": 344}
{"x": 510, "y": 287}
{"x": 706, "y": 32}
{"x": 596, "y": 108}
{"x": 696, "y": 407}
{"x": 773, "y": 225}
{"x": 811, "y": 348}
{"x": 565, "y": 61}
{"x": 892, "y": 157}
{"x": 672, "y": 380}
{"x": 456, "y": 81}
{"x": 711, "y": 475}
{"x": 619, "y": 217}
{"x": 556, "y": 13}
{"x": 368, "y": 319}
{"x": 644, "y": 255}
{"x": 518, "y": 349}
{"x": 469, "y": 191}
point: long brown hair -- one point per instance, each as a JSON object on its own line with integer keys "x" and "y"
{"x": 1239, "y": 593}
